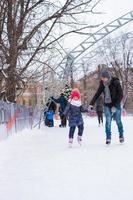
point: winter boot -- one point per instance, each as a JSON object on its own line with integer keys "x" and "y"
{"x": 70, "y": 142}
{"x": 79, "y": 139}
{"x": 121, "y": 139}
{"x": 108, "y": 141}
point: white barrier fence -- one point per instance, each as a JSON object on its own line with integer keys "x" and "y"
{"x": 14, "y": 118}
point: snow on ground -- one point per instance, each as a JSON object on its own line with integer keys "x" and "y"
{"x": 38, "y": 165}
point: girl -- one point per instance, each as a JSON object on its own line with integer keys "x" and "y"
{"x": 74, "y": 111}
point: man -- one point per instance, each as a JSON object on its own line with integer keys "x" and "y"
{"x": 113, "y": 95}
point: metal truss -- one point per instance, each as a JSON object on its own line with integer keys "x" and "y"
{"x": 93, "y": 38}
{"x": 93, "y": 53}
{"x": 100, "y": 34}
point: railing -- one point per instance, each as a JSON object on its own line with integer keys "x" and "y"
{"x": 14, "y": 118}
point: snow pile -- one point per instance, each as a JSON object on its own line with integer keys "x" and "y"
{"x": 38, "y": 165}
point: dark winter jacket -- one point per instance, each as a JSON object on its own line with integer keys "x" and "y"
{"x": 99, "y": 104}
{"x": 115, "y": 91}
{"x": 51, "y": 105}
{"x": 62, "y": 101}
{"x": 74, "y": 114}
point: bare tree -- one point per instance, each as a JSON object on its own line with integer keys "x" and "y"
{"x": 27, "y": 28}
{"x": 85, "y": 69}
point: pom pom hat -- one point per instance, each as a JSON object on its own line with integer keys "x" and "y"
{"x": 75, "y": 93}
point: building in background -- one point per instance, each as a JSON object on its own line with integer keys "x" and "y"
{"x": 32, "y": 96}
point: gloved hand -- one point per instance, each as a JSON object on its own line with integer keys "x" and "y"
{"x": 63, "y": 116}
{"x": 113, "y": 109}
{"x": 90, "y": 107}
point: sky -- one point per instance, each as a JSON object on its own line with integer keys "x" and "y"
{"x": 115, "y": 8}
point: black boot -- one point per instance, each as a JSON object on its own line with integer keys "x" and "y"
{"x": 121, "y": 139}
{"x": 108, "y": 141}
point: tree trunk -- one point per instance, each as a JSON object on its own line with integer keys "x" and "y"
{"x": 11, "y": 86}
{"x": 85, "y": 92}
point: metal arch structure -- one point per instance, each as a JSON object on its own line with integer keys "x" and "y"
{"x": 94, "y": 52}
{"x": 100, "y": 34}
{"x": 93, "y": 38}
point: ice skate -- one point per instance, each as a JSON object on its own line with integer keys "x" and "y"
{"x": 121, "y": 139}
{"x": 70, "y": 142}
{"x": 79, "y": 139}
{"x": 108, "y": 141}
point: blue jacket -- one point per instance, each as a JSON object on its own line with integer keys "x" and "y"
{"x": 74, "y": 114}
{"x": 50, "y": 115}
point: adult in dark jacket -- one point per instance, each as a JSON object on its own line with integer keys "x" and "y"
{"x": 113, "y": 95}
{"x": 99, "y": 109}
{"x": 51, "y": 105}
{"x": 63, "y": 102}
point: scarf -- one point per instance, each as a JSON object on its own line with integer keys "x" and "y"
{"x": 107, "y": 91}
{"x": 76, "y": 103}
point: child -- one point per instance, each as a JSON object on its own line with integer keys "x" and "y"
{"x": 49, "y": 118}
{"x": 73, "y": 111}
{"x": 49, "y": 112}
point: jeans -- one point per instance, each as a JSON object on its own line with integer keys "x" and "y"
{"x": 108, "y": 115}
{"x": 72, "y": 130}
